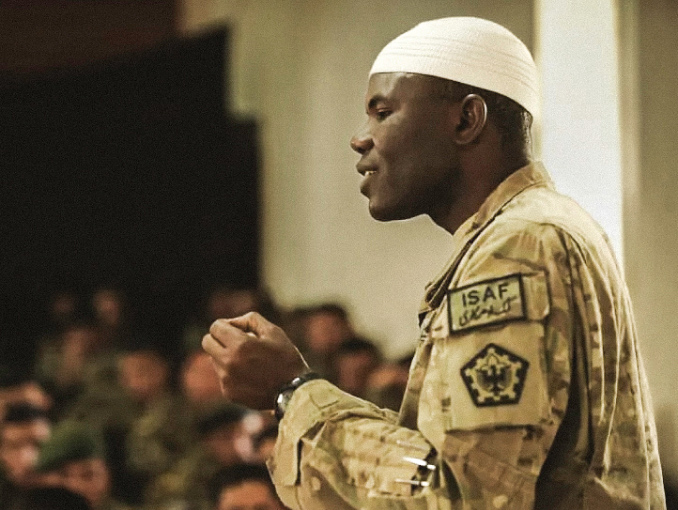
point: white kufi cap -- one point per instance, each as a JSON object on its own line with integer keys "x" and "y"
{"x": 468, "y": 50}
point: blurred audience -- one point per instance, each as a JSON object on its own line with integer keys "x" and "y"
{"x": 53, "y": 498}
{"x": 161, "y": 432}
{"x": 74, "y": 458}
{"x": 75, "y": 360}
{"x": 325, "y": 328}
{"x": 224, "y": 302}
{"x": 355, "y": 360}
{"x": 264, "y": 442}
{"x": 244, "y": 487}
{"x": 199, "y": 383}
{"x": 220, "y": 432}
{"x": 24, "y": 428}
{"x": 63, "y": 306}
{"x": 111, "y": 315}
{"x": 19, "y": 386}
{"x": 387, "y": 382}
{"x": 141, "y": 421}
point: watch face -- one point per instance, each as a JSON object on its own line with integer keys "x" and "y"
{"x": 281, "y": 402}
{"x": 285, "y": 395}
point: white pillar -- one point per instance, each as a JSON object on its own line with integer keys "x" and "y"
{"x": 579, "y": 139}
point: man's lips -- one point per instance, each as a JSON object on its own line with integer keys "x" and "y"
{"x": 367, "y": 174}
{"x": 365, "y": 170}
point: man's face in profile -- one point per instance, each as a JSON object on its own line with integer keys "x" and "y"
{"x": 408, "y": 157}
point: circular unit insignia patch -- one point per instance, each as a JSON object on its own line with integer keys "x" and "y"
{"x": 495, "y": 376}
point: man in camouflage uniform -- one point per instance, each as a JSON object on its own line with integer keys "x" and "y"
{"x": 527, "y": 388}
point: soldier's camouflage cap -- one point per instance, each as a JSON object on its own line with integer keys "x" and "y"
{"x": 70, "y": 441}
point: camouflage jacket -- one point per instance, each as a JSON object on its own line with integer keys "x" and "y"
{"x": 527, "y": 389}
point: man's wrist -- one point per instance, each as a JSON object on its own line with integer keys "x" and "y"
{"x": 285, "y": 394}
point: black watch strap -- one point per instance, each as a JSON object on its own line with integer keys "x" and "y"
{"x": 285, "y": 393}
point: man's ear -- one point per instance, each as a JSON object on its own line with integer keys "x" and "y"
{"x": 472, "y": 119}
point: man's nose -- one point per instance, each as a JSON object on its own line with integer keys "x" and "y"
{"x": 361, "y": 142}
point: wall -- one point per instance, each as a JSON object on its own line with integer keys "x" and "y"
{"x": 651, "y": 206}
{"x": 577, "y": 55}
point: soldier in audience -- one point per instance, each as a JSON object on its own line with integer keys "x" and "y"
{"x": 199, "y": 383}
{"x": 22, "y": 431}
{"x": 75, "y": 458}
{"x": 111, "y": 315}
{"x": 386, "y": 384}
{"x": 355, "y": 360}
{"x": 244, "y": 487}
{"x": 326, "y": 327}
{"x": 74, "y": 361}
{"x": 221, "y": 436}
{"x": 161, "y": 432}
{"x": 20, "y": 386}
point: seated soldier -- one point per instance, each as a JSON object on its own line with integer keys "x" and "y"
{"x": 74, "y": 458}
{"x": 386, "y": 384}
{"x": 326, "y": 327}
{"x": 199, "y": 383}
{"x": 244, "y": 487}
{"x": 20, "y": 386}
{"x": 22, "y": 431}
{"x": 223, "y": 440}
{"x": 161, "y": 432}
{"x": 355, "y": 361}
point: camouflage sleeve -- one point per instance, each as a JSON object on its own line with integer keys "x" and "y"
{"x": 498, "y": 380}
{"x": 336, "y": 451}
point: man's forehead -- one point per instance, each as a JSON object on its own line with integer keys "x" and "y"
{"x": 386, "y": 85}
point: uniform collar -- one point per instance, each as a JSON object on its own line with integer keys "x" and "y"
{"x": 528, "y": 176}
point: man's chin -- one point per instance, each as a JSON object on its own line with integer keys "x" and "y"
{"x": 385, "y": 214}
{"x": 378, "y": 214}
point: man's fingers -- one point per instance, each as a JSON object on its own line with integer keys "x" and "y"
{"x": 211, "y": 345}
{"x": 251, "y": 322}
{"x": 224, "y": 328}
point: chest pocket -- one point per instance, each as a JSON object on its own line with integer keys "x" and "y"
{"x": 487, "y": 363}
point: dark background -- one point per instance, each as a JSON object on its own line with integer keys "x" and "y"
{"x": 126, "y": 171}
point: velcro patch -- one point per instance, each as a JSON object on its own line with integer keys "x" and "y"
{"x": 495, "y": 376}
{"x": 487, "y": 302}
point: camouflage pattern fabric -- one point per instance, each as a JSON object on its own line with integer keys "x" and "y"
{"x": 185, "y": 486}
{"x": 159, "y": 436}
{"x": 527, "y": 389}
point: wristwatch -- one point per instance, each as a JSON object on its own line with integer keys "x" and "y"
{"x": 285, "y": 394}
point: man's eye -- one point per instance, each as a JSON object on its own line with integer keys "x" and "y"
{"x": 382, "y": 114}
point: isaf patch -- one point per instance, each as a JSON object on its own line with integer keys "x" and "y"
{"x": 484, "y": 303}
{"x": 495, "y": 376}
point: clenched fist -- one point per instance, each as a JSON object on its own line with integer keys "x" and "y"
{"x": 254, "y": 359}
